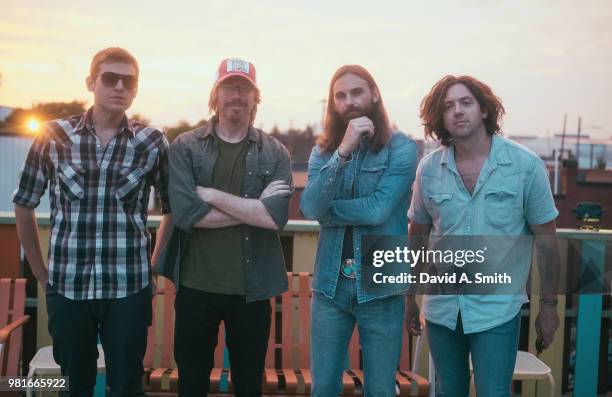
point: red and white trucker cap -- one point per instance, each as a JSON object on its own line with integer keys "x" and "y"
{"x": 235, "y": 67}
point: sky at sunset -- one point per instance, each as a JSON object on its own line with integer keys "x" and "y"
{"x": 543, "y": 58}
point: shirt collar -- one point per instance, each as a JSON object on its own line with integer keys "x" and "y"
{"x": 498, "y": 154}
{"x": 208, "y": 131}
{"x": 85, "y": 124}
{"x": 499, "y": 148}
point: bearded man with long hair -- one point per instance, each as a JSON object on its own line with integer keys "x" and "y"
{"x": 359, "y": 183}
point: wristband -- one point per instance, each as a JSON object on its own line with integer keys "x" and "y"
{"x": 548, "y": 301}
{"x": 348, "y": 156}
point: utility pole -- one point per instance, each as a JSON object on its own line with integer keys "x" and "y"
{"x": 323, "y": 106}
{"x": 563, "y": 135}
{"x": 578, "y": 142}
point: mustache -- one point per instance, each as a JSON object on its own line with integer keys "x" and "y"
{"x": 354, "y": 112}
{"x": 352, "y": 109}
{"x": 235, "y": 102}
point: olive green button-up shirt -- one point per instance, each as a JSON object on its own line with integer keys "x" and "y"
{"x": 192, "y": 159}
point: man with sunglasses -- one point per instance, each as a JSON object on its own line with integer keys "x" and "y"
{"x": 229, "y": 189}
{"x": 100, "y": 167}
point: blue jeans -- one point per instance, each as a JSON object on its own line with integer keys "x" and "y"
{"x": 379, "y": 323}
{"x": 493, "y": 356}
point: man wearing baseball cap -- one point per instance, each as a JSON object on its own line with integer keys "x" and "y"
{"x": 229, "y": 189}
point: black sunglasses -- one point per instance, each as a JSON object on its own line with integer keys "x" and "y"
{"x": 110, "y": 79}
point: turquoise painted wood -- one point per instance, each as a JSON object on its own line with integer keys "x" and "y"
{"x": 589, "y": 323}
{"x": 224, "y": 384}
{"x": 100, "y": 389}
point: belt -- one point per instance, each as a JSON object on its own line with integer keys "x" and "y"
{"x": 348, "y": 268}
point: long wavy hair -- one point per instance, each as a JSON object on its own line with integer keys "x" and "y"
{"x": 334, "y": 127}
{"x": 432, "y": 107}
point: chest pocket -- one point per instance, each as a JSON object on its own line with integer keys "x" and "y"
{"x": 369, "y": 177}
{"x": 197, "y": 164}
{"x": 502, "y": 206}
{"x": 72, "y": 180}
{"x": 131, "y": 177}
{"x": 440, "y": 207}
{"x": 265, "y": 173}
{"x": 130, "y": 181}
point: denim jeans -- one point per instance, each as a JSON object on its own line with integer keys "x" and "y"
{"x": 379, "y": 323}
{"x": 493, "y": 356}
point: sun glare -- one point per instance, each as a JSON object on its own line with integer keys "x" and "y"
{"x": 33, "y": 126}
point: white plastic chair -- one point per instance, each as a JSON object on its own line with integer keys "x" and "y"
{"x": 44, "y": 364}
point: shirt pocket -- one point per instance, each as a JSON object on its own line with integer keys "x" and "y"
{"x": 264, "y": 174}
{"x": 130, "y": 181}
{"x": 502, "y": 206}
{"x": 369, "y": 177}
{"x": 197, "y": 165}
{"x": 72, "y": 180}
{"x": 440, "y": 207}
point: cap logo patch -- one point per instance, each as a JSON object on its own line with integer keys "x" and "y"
{"x": 237, "y": 65}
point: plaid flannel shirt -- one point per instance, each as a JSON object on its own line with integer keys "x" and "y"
{"x": 99, "y": 245}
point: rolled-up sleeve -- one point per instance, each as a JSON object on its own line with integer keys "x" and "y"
{"x": 161, "y": 175}
{"x": 418, "y": 212}
{"x": 278, "y": 205}
{"x": 540, "y": 204}
{"x": 187, "y": 208}
{"x": 34, "y": 175}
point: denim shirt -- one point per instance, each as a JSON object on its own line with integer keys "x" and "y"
{"x": 512, "y": 192}
{"x": 383, "y": 182}
{"x": 192, "y": 160}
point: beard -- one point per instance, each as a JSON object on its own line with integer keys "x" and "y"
{"x": 235, "y": 116}
{"x": 354, "y": 112}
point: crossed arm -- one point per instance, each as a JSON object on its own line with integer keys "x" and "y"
{"x": 230, "y": 210}
{"x": 203, "y": 207}
{"x": 317, "y": 199}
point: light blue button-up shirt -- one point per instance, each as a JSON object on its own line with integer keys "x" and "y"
{"x": 512, "y": 192}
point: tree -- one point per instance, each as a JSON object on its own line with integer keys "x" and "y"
{"x": 42, "y": 112}
{"x": 183, "y": 126}
{"x": 140, "y": 118}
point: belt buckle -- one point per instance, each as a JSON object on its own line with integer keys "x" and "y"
{"x": 348, "y": 269}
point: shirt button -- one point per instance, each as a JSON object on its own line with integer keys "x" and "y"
{"x": 246, "y": 238}
{"x": 246, "y": 195}
{"x": 250, "y": 173}
{"x": 248, "y": 260}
